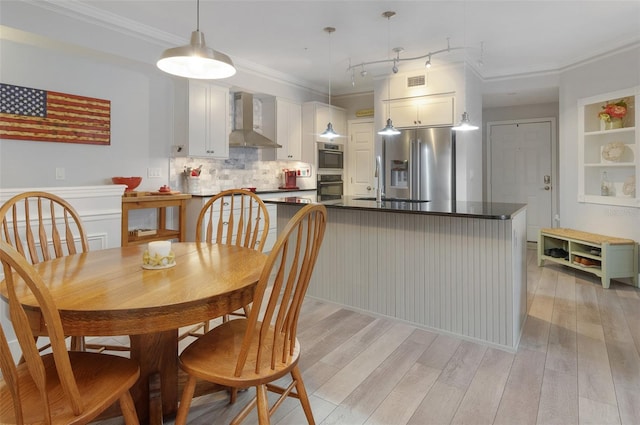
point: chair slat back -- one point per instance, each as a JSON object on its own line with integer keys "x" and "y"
{"x": 234, "y": 217}
{"x": 41, "y": 226}
{"x": 272, "y": 323}
{"x": 16, "y": 270}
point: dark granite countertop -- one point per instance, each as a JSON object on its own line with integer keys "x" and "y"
{"x": 486, "y": 210}
{"x": 260, "y": 192}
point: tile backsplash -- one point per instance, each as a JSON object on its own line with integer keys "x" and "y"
{"x": 243, "y": 168}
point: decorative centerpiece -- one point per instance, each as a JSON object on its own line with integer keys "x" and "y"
{"x": 612, "y": 114}
{"x": 158, "y": 255}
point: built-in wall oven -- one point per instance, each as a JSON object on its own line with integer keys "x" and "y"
{"x": 330, "y": 186}
{"x": 330, "y": 157}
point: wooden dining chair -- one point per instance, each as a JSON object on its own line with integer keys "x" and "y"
{"x": 42, "y": 226}
{"x": 232, "y": 217}
{"x": 256, "y": 351}
{"x": 61, "y": 387}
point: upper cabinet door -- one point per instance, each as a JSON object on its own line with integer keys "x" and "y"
{"x": 218, "y": 116}
{"x": 289, "y": 130}
{"x": 424, "y": 111}
{"x": 206, "y": 133}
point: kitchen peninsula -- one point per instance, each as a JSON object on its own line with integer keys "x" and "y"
{"x": 457, "y": 267}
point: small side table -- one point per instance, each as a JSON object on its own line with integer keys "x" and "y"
{"x": 160, "y": 202}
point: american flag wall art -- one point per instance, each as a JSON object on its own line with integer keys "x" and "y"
{"x": 40, "y": 115}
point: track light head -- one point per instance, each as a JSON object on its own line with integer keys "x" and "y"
{"x": 428, "y": 63}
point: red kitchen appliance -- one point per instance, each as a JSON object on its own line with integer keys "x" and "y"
{"x": 289, "y": 177}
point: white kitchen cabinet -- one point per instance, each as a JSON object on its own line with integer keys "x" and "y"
{"x": 202, "y": 111}
{"x": 315, "y": 117}
{"x": 608, "y": 157}
{"x": 282, "y": 122}
{"x": 423, "y": 111}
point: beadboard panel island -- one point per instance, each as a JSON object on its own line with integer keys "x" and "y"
{"x": 458, "y": 267}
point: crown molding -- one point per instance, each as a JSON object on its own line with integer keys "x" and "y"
{"x": 84, "y": 12}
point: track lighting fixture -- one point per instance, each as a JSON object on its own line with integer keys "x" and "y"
{"x": 196, "y": 60}
{"x": 396, "y": 61}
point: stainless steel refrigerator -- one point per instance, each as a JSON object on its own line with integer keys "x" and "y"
{"x": 420, "y": 164}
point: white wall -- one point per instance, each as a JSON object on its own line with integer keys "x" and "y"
{"x": 46, "y": 50}
{"x": 615, "y": 72}
{"x": 141, "y": 120}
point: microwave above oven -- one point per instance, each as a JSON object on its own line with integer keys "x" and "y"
{"x": 330, "y": 156}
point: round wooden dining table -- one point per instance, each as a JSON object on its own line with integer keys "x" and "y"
{"x": 108, "y": 292}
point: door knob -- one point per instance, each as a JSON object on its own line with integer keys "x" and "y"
{"x": 369, "y": 188}
{"x": 547, "y": 188}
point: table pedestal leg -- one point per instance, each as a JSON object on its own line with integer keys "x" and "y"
{"x": 157, "y": 355}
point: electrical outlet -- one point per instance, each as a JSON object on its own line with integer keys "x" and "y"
{"x": 154, "y": 172}
{"x": 60, "y": 173}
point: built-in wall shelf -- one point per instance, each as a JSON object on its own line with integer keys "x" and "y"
{"x": 609, "y": 150}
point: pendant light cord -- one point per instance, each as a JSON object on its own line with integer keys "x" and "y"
{"x": 198, "y": 15}
{"x": 389, "y": 15}
{"x": 330, "y": 30}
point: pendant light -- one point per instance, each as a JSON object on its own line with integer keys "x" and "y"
{"x": 329, "y": 133}
{"x": 196, "y": 60}
{"x": 465, "y": 123}
{"x": 389, "y": 129}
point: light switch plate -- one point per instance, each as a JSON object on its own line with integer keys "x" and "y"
{"x": 60, "y": 173}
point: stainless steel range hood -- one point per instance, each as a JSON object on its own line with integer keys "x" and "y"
{"x": 246, "y": 136}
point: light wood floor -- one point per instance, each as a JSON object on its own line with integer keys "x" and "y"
{"x": 578, "y": 363}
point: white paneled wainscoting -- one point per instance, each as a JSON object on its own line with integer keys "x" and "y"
{"x": 459, "y": 275}
{"x": 100, "y": 209}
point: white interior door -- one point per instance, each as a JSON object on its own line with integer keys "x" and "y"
{"x": 360, "y": 159}
{"x": 521, "y": 169}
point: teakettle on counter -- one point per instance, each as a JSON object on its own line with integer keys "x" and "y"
{"x": 289, "y": 179}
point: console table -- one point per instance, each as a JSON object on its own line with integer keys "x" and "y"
{"x": 610, "y": 257}
{"x": 161, "y": 203}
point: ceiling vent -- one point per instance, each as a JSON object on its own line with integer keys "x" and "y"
{"x": 417, "y": 81}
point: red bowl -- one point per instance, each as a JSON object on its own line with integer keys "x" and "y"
{"x": 131, "y": 182}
